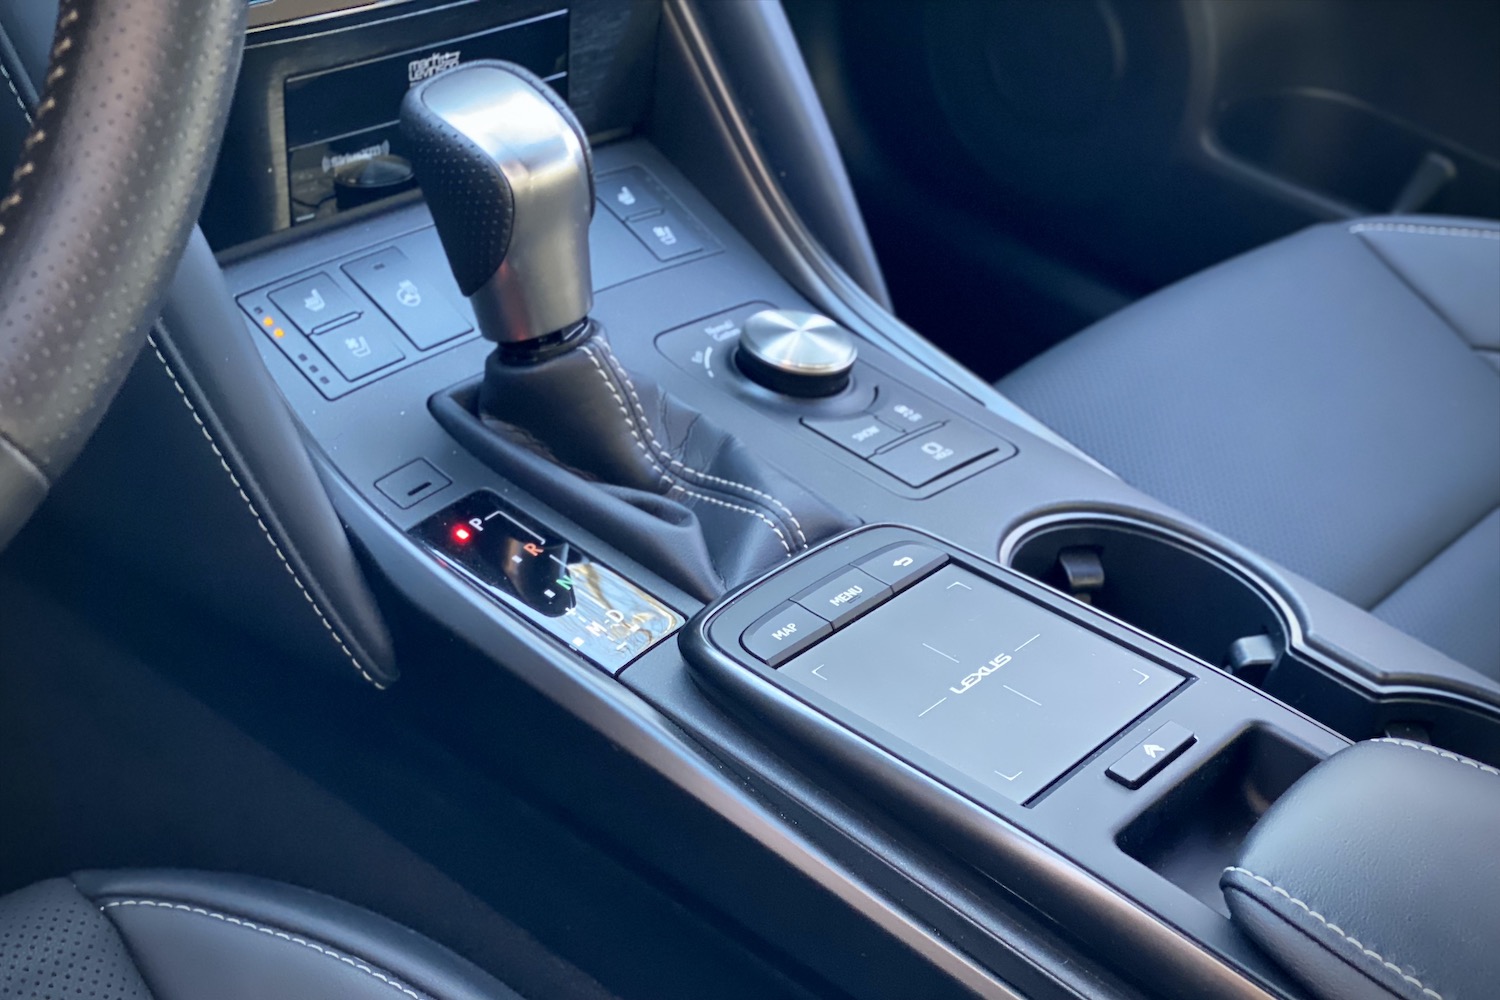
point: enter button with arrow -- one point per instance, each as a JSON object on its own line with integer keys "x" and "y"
{"x": 1150, "y": 755}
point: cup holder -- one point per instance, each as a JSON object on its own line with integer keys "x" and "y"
{"x": 1171, "y": 588}
{"x": 1208, "y": 605}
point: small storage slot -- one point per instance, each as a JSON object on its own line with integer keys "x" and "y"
{"x": 1189, "y": 835}
{"x": 1181, "y": 595}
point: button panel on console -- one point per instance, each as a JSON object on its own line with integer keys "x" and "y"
{"x": 635, "y": 197}
{"x": 929, "y": 454}
{"x": 909, "y": 438}
{"x": 837, "y": 600}
{"x": 929, "y": 447}
{"x": 364, "y": 317}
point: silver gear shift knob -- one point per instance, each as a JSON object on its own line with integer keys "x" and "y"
{"x": 508, "y": 175}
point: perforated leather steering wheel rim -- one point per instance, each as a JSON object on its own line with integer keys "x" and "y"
{"x": 108, "y": 186}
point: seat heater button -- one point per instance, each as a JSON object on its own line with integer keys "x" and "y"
{"x": 844, "y": 596}
{"x": 666, "y": 235}
{"x": 626, "y": 194}
{"x": 784, "y": 633}
{"x": 863, "y": 435}
{"x": 1150, "y": 755}
{"x": 314, "y": 303}
{"x": 923, "y": 457}
{"x": 357, "y": 349}
{"x": 900, "y": 566}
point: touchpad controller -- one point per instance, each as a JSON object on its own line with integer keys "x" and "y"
{"x": 999, "y": 688}
{"x": 932, "y": 658}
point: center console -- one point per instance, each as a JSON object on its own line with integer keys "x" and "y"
{"x": 1060, "y": 752}
{"x": 1122, "y": 773}
{"x": 899, "y": 685}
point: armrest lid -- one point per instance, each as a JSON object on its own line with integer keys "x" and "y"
{"x": 1378, "y": 875}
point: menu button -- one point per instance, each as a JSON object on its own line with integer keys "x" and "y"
{"x": 845, "y": 596}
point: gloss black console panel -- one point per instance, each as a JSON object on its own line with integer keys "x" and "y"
{"x": 578, "y": 600}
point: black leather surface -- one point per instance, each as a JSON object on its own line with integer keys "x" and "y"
{"x": 1326, "y": 401}
{"x": 1452, "y": 602}
{"x": 172, "y": 935}
{"x": 54, "y": 943}
{"x": 241, "y": 473}
{"x": 475, "y": 220}
{"x": 1376, "y": 875}
{"x": 224, "y": 390}
{"x": 110, "y": 180}
{"x": 635, "y": 466}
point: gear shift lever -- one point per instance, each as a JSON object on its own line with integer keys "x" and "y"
{"x": 508, "y": 175}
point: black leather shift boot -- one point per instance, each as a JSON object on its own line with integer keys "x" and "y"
{"x": 624, "y": 459}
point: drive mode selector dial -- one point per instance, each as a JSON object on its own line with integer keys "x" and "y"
{"x": 796, "y": 353}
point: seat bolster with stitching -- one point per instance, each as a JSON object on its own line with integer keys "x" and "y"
{"x": 190, "y": 935}
{"x": 1376, "y": 875}
{"x": 1331, "y": 400}
{"x": 265, "y": 469}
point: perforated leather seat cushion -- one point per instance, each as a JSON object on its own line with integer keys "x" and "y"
{"x": 55, "y": 943}
{"x": 1331, "y": 400}
{"x": 196, "y": 936}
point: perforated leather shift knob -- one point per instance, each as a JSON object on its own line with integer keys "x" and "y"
{"x": 508, "y": 175}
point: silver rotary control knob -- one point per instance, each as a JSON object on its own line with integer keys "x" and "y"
{"x": 796, "y": 353}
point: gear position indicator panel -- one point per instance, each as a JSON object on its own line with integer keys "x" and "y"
{"x": 589, "y": 607}
{"x": 992, "y": 692}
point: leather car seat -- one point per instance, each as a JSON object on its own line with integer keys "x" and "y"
{"x": 1331, "y": 400}
{"x": 174, "y": 935}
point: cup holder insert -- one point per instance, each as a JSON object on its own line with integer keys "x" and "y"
{"x": 1185, "y": 594}
{"x": 1178, "y": 593}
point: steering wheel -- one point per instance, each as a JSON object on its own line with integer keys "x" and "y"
{"x": 108, "y": 187}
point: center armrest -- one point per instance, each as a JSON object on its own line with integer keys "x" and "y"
{"x": 1378, "y": 875}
